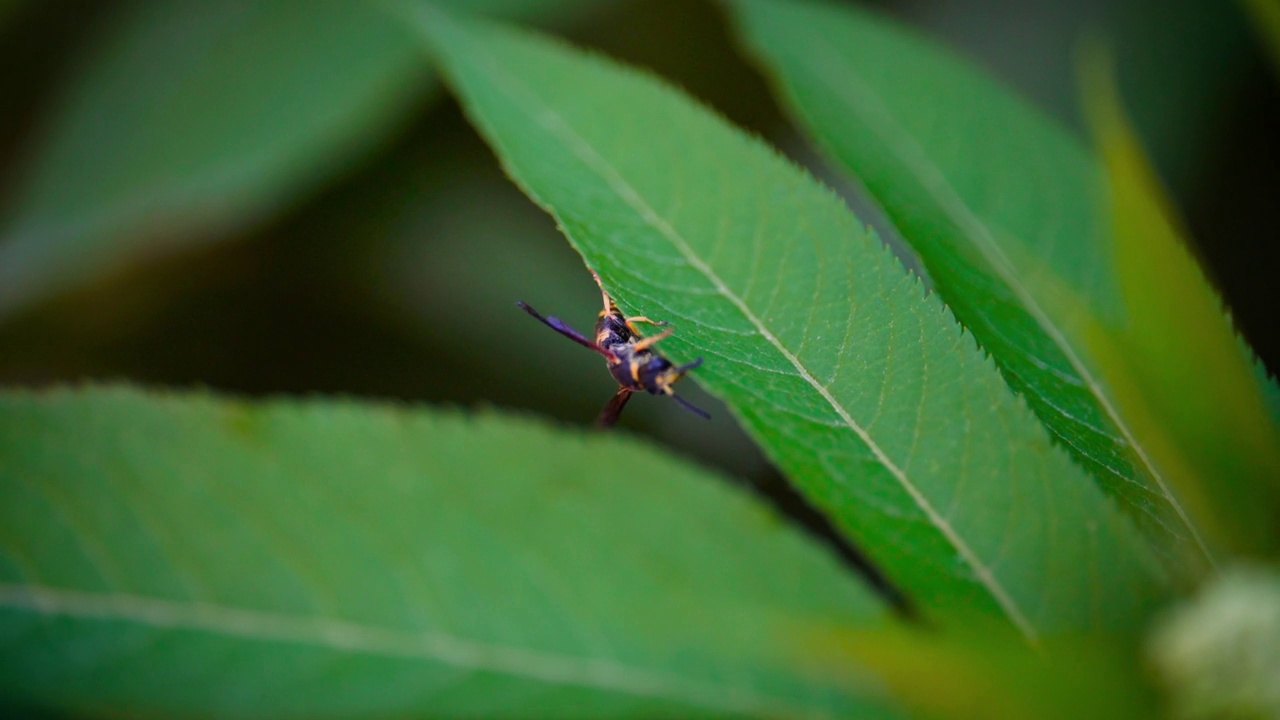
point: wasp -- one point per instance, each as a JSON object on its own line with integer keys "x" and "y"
{"x": 632, "y": 362}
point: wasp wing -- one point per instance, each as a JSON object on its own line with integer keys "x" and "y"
{"x": 609, "y": 415}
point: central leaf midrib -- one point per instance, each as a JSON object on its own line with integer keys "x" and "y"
{"x": 541, "y": 114}
{"x": 346, "y": 636}
{"x": 917, "y": 163}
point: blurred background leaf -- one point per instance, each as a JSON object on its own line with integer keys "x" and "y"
{"x": 187, "y": 555}
{"x": 976, "y": 673}
{"x": 1201, "y": 93}
{"x": 189, "y": 121}
{"x": 1173, "y": 362}
{"x": 1265, "y": 15}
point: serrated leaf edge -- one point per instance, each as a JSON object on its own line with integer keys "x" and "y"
{"x": 913, "y": 157}
{"x": 554, "y": 123}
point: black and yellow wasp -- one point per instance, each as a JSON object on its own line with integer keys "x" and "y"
{"x": 631, "y": 360}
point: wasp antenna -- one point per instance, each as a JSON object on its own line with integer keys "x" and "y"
{"x": 692, "y": 408}
{"x": 556, "y": 324}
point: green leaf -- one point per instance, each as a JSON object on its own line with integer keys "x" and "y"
{"x": 1175, "y": 364}
{"x": 182, "y": 555}
{"x": 1001, "y": 203}
{"x": 861, "y": 388}
{"x": 190, "y": 120}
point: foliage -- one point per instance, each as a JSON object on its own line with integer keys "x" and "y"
{"x": 801, "y": 353}
{"x": 998, "y": 200}
{"x": 1045, "y": 466}
{"x": 263, "y": 546}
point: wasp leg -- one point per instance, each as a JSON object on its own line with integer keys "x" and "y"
{"x": 642, "y": 319}
{"x": 555, "y": 324}
{"x": 646, "y": 342}
{"x": 609, "y": 415}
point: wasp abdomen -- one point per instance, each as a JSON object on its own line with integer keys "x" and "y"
{"x": 656, "y": 375}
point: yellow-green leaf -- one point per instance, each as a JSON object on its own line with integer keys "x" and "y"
{"x": 1173, "y": 362}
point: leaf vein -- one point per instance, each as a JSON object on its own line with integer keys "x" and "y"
{"x": 549, "y": 119}
{"x": 346, "y": 636}
{"x": 934, "y": 182}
